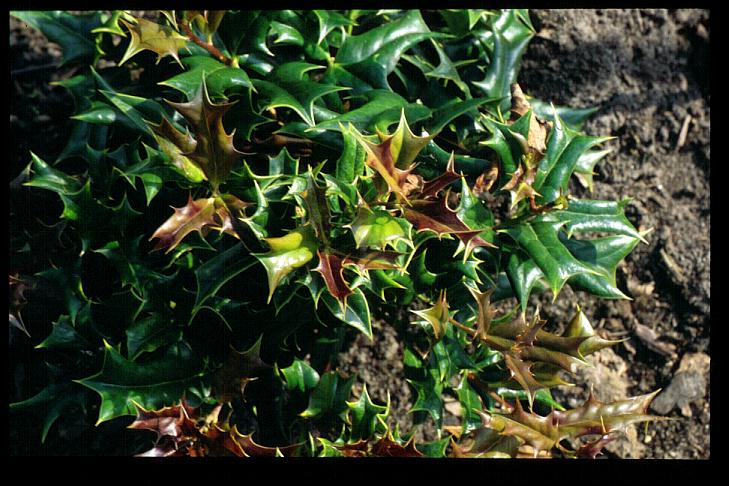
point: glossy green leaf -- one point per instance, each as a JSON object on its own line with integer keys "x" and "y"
{"x": 150, "y": 333}
{"x": 352, "y": 161}
{"x": 453, "y": 109}
{"x": 300, "y": 376}
{"x": 585, "y": 167}
{"x": 65, "y": 336}
{"x": 574, "y": 118}
{"x": 365, "y": 416}
{"x": 215, "y": 272}
{"x": 356, "y": 313}
{"x": 220, "y": 79}
{"x": 287, "y": 254}
{"x": 540, "y": 241}
{"x": 380, "y": 110}
{"x": 373, "y": 54}
{"x": 153, "y": 384}
{"x": 511, "y": 36}
{"x": 46, "y": 177}
{"x": 470, "y": 403}
{"x": 564, "y": 148}
{"x": 296, "y": 95}
{"x": 329, "y": 398}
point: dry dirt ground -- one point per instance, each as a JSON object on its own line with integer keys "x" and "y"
{"x": 648, "y": 72}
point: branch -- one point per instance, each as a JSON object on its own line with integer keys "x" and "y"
{"x": 208, "y": 47}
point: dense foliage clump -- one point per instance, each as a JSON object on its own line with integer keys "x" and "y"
{"x": 323, "y": 169}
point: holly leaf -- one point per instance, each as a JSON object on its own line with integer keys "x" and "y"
{"x": 585, "y": 167}
{"x": 365, "y": 416}
{"x": 52, "y": 402}
{"x": 214, "y": 152}
{"x": 373, "y": 55}
{"x": 238, "y": 369}
{"x": 355, "y": 313}
{"x": 329, "y": 20}
{"x": 380, "y": 157}
{"x": 470, "y": 405}
{"x": 331, "y": 269}
{"x": 381, "y": 109}
{"x": 425, "y": 380}
{"x": 300, "y": 376}
{"x": 287, "y": 254}
{"x": 289, "y": 87}
{"x": 378, "y": 228}
{"x": 565, "y": 147}
{"x": 198, "y": 215}
{"x": 329, "y": 397}
{"x": 215, "y": 272}
{"x": 542, "y": 244}
{"x": 220, "y": 79}
{"x": 592, "y": 216}
{"x": 592, "y": 418}
{"x": 575, "y": 118}
{"x": 454, "y": 108}
{"x": 436, "y": 216}
{"x": 150, "y": 333}
{"x": 151, "y": 36}
{"x": 151, "y": 384}
{"x": 436, "y": 316}
{"x": 511, "y": 35}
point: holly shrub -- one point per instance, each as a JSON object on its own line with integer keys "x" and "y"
{"x": 325, "y": 169}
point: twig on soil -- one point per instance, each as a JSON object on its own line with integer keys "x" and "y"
{"x": 684, "y": 131}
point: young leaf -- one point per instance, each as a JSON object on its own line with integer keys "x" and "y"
{"x": 592, "y": 418}
{"x": 378, "y": 228}
{"x": 331, "y": 269}
{"x": 214, "y": 152}
{"x": 198, "y": 215}
{"x": 151, "y": 36}
{"x": 287, "y": 254}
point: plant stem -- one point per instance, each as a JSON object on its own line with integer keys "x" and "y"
{"x": 206, "y": 45}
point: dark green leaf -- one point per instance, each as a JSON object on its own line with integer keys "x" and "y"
{"x": 152, "y": 384}
{"x": 329, "y": 397}
{"x": 220, "y": 79}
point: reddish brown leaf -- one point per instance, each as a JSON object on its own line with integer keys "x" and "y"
{"x": 214, "y": 152}
{"x": 373, "y": 260}
{"x": 380, "y": 158}
{"x": 198, "y": 215}
{"x": 239, "y": 369}
{"x": 435, "y": 215}
{"x": 331, "y": 267}
{"x": 431, "y": 188}
{"x": 172, "y": 421}
{"x": 388, "y": 447}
